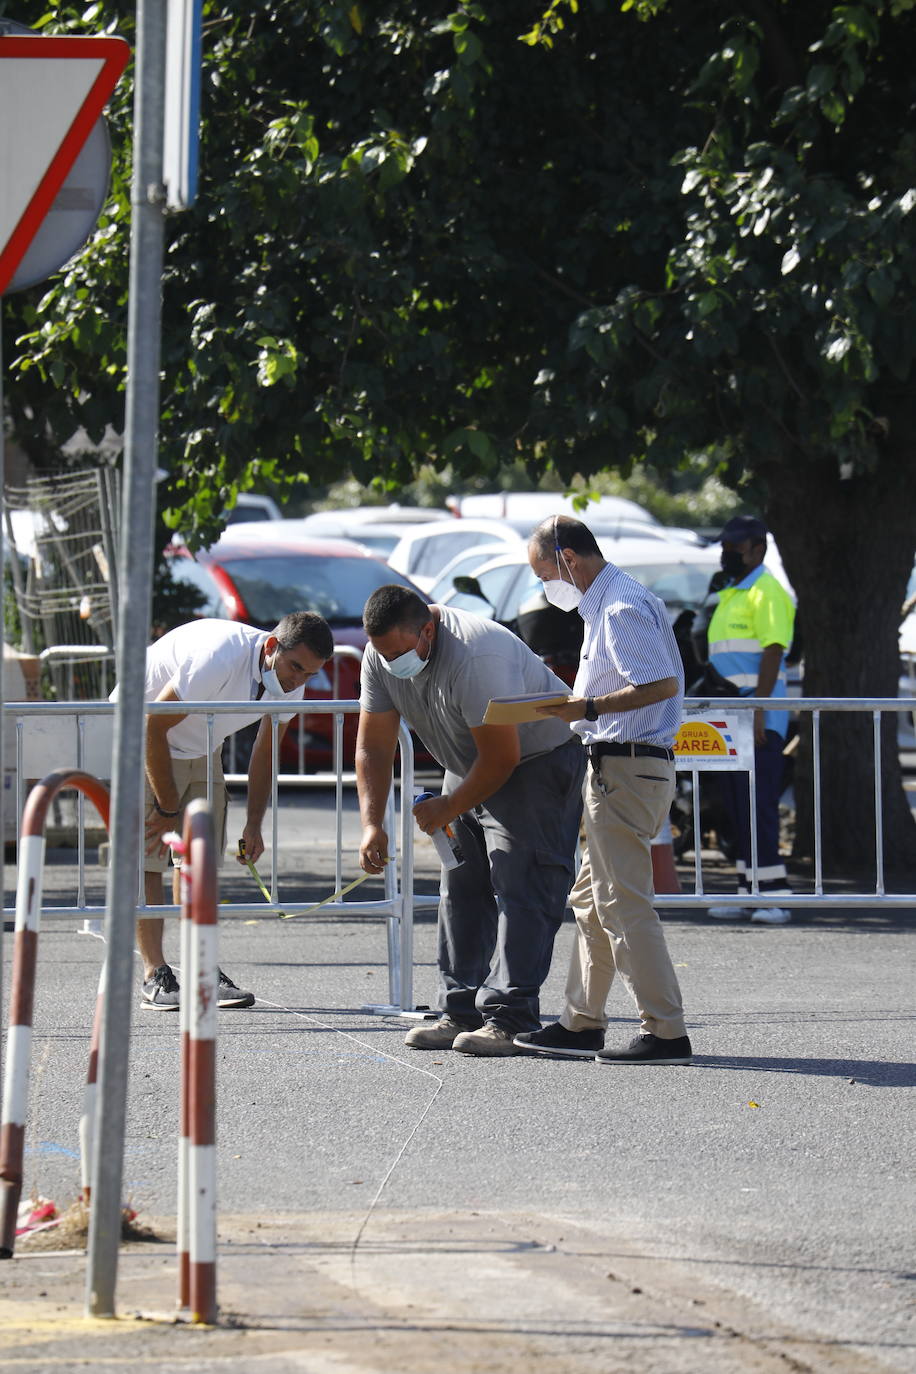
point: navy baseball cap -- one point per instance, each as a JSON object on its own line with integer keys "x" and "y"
{"x": 742, "y": 527}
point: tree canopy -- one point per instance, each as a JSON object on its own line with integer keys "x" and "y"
{"x": 440, "y": 234}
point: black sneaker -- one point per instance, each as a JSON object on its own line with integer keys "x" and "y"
{"x": 557, "y": 1041}
{"x": 160, "y": 993}
{"x": 649, "y": 1049}
{"x": 228, "y": 995}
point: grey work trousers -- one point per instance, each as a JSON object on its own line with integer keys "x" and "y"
{"x": 499, "y": 912}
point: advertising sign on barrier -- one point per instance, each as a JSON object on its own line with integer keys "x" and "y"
{"x": 715, "y": 739}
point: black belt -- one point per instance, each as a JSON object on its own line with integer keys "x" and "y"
{"x": 638, "y": 751}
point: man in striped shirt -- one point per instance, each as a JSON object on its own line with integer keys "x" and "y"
{"x": 626, "y": 706}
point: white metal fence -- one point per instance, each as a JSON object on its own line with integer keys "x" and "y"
{"x": 816, "y": 708}
{"x": 79, "y": 734}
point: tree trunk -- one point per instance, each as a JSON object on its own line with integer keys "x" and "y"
{"x": 848, "y": 547}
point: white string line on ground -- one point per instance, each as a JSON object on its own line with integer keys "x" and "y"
{"x": 414, "y": 1068}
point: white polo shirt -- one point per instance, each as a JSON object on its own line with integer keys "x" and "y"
{"x": 207, "y": 660}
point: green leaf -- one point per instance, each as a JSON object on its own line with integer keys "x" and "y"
{"x": 833, "y": 107}
{"x": 880, "y": 285}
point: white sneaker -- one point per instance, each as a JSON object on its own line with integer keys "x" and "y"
{"x": 772, "y": 916}
{"x": 728, "y": 913}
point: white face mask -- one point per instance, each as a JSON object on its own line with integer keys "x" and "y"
{"x": 406, "y": 665}
{"x": 560, "y": 593}
{"x": 272, "y": 685}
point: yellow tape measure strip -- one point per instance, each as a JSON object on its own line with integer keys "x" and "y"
{"x": 288, "y": 916}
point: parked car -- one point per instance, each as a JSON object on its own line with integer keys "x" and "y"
{"x": 534, "y": 506}
{"x": 377, "y": 528}
{"x": 256, "y": 577}
{"x": 250, "y": 506}
{"x": 423, "y": 552}
{"x": 340, "y": 523}
{"x": 505, "y": 589}
{"x": 612, "y": 516}
{"x": 464, "y": 563}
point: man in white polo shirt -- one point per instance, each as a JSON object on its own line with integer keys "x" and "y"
{"x": 213, "y": 660}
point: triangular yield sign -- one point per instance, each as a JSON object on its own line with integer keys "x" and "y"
{"x": 52, "y": 91}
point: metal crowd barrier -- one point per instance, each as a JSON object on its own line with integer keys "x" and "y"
{"x": 88, "y": 751}
{"x": 815, "y": 706}
{"x": 87, "y": 736}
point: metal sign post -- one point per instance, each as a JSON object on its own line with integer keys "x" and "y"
{"x": 135, "y": 582}
{"x": 2, "y": 657}
{"x": 182, "y": 102}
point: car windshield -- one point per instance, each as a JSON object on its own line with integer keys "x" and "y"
{"x": 429, "y": 555}
{"x": 337, "y": 588}
{"x": 493, "y": 584}
{"x": 380, "y": 545}
{"x": 677, "y": 584}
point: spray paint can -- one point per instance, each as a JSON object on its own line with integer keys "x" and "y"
{"x": 447, "y": 846}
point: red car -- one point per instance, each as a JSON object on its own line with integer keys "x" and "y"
{"x": 260, "y": 571}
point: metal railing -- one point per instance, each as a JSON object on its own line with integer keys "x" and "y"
{"x": 88, "y": 746}
{"x": 399, "y": 876}
{"x": 876, "y": 707}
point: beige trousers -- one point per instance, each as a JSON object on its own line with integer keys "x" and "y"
{"x": 191, "y": 782}
{"x": 618, "y": 930}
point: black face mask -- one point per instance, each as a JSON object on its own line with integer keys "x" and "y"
{"x": 733, "y": 564}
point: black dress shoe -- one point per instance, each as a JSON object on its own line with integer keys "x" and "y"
{"x": 559, "y": 1042}
{"x": 649, "y": 1049}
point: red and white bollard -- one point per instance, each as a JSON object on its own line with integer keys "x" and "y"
{"x": 198, "y": 1011}
{"x": 664, "y": 874}
{"x": 22, "y": 989}
{"x": 87, "y": 1120}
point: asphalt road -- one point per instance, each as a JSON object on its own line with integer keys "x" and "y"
{"x": 772, "y": 1181}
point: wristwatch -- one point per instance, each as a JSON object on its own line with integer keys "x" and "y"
{"x": 163, "y": 812}
{"x": 591, "y": 710}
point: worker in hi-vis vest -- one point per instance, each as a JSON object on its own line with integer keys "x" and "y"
{"x": 749, "y": 633}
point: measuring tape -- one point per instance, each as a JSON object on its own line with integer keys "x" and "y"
{"x": 288, "y": 916}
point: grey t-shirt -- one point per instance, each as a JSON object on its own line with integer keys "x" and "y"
{"x": 472, "y": 661}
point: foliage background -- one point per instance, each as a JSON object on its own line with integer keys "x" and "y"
{"x": 440, "y": 239}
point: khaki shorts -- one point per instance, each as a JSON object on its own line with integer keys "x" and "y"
{"x": 191, "y": 781}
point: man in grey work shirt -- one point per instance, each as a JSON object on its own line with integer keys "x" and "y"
{"x": 626, "y": 705}
{"x": 511, "y": 794}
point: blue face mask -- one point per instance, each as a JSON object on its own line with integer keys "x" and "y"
{"x": 406, "y": 665}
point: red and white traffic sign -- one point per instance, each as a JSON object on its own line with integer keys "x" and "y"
{"x": 52, "y": 93}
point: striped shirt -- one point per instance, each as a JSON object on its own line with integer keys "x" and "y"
{"x": 628, "y": 642}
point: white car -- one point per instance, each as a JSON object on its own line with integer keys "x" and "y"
{"x": 377, "y": 528}
{"x": 535, "y": 506}
{"x": 612, "y": 516}
{"x": 678, "y": 573}
{"x": 423, "y": 551}
{"x": 505, "y": 589}
{"x": 251, "y": 506}
{"x": 463, "y": 564}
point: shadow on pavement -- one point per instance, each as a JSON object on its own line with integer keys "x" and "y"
{"x": 877, "y": 1073}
